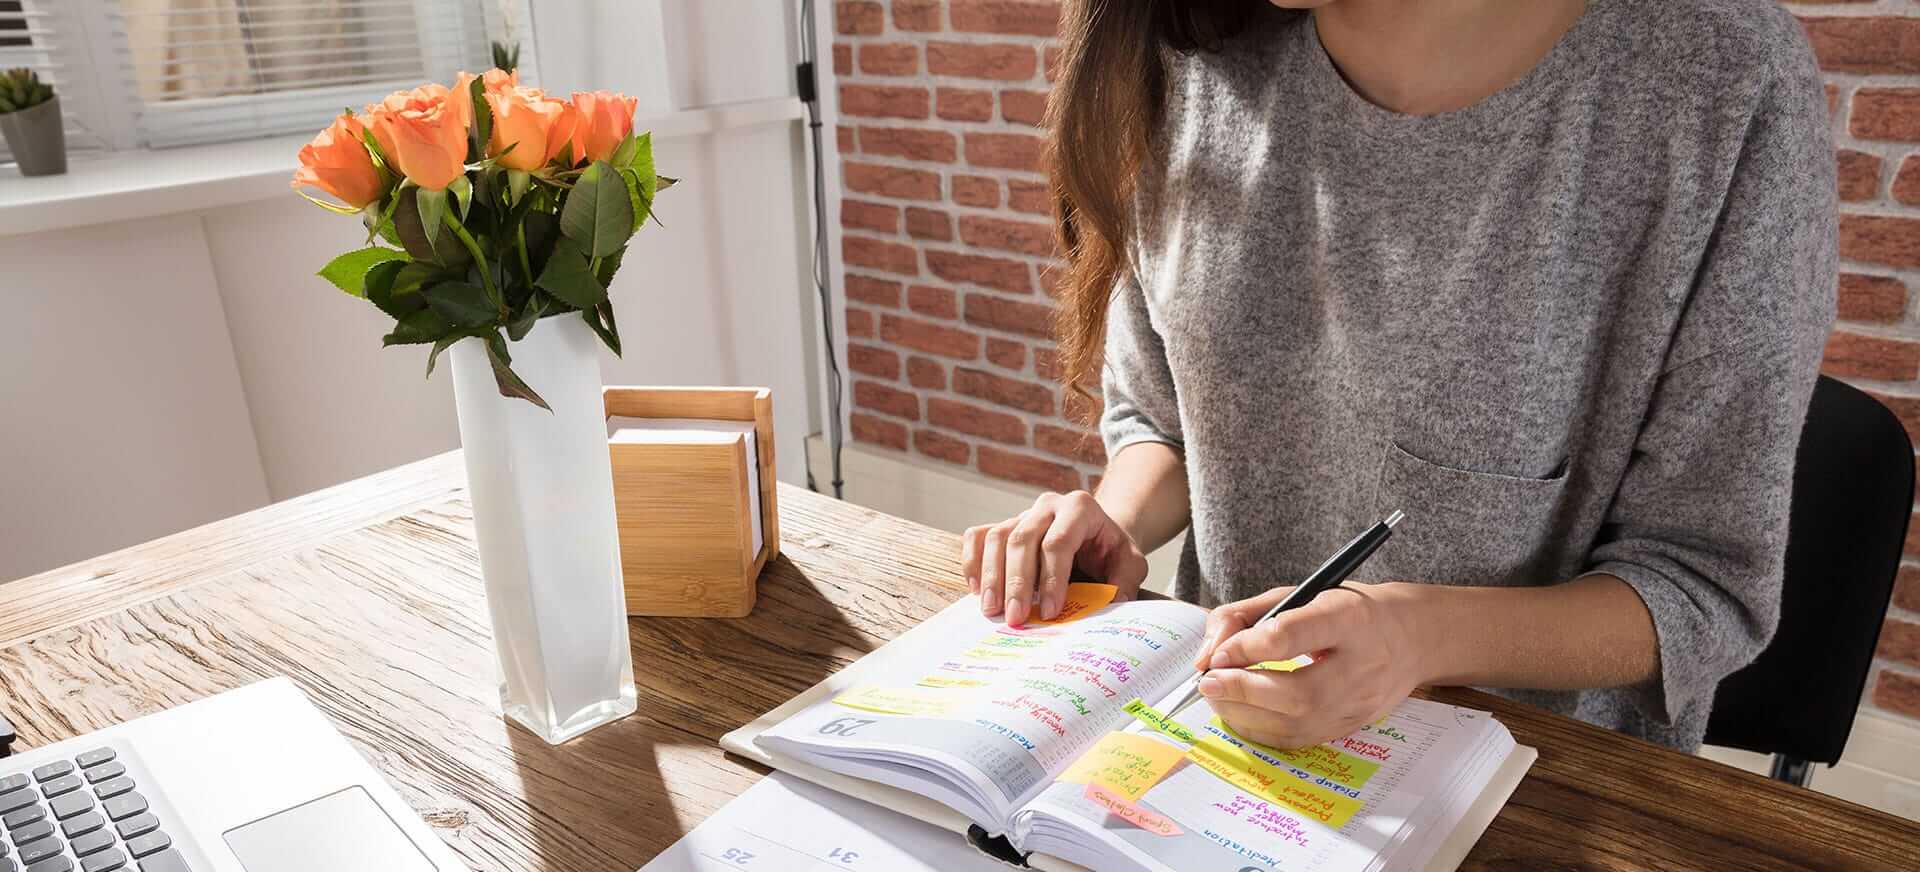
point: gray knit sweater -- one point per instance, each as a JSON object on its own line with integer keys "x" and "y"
{"x": 1570, "y": 329}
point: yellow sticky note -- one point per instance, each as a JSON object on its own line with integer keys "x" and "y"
{"x": 1125, "y": 763}
{"x": 920, "y": 702}
{"x": 1152, "y": 717}
{"x": 1242, "y": 769}
{"x": 1321, "y": 760}
{"x": 1083, "y": 599}
{"x": 1282, "y": 665}
{"x": 1120, "y": 807}
{"x": 948, "y": 681}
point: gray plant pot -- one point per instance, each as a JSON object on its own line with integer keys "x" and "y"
{"x": 37, "y": 138}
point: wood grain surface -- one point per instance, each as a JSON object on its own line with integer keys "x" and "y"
{"x": 368, "y": 595}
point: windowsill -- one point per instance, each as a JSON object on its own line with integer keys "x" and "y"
{"x": 123, "y": 186}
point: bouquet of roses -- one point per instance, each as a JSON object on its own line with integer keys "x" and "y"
{"x": 499, "y": 205}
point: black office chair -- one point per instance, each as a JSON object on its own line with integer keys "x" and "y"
{"x": 1852, "y": 497}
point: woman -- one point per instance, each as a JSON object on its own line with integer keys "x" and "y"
{"x": 1551, "y": 277}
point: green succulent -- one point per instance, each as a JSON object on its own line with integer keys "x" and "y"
{"x": 22, "y": 89}
{"x": 506, "y": 56}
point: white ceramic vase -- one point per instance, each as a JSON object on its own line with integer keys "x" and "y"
{"x": 542, "y": 490}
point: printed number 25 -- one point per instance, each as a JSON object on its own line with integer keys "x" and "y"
{"x": 736, "y": 856}
{"x": 843, "y": 726}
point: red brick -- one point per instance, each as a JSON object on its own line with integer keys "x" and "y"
{"x": 1849, "y": 355}
{"x": 973, "y": 269}
{"x": 926, "y": 374}
{"x": 1907, "y": 409}
{"x": 1004, "y": 391}
{"x": 1081, "y": 445}
{"x": 1833, "y": 101}
{"x": 847, "y": 142}
{"x": 883, "y": 101}
{"x": 1899, "y": 642}
{"x": 893, "y": 401}
{"x": 1013, "y": 316}
{"x": 976, "y": 191}
{"x": 890, "y": 59}
{"x": 940, "y": 446}
{"x": 873, "y": 361}
{"x": 1024, "y": 237}
{"x": 1013, "y": 151}
{"x": 930, "y": 338}
{"x": 1006, "y": 353}
{"x": 1894, "y": 691}
{"x": 961, "y": 104}
{"x": 859, "y": 323}
{"x": 879, "y": 431}
{"x": 1906, "y": 589}
{"x": 1865, "y": 44}
{"x": 859, "y": 16}
{"x": 929, "y": 224}
{"x": 1027, "y": 469}
{"x": 1008, "y": 63}
{"x": 881, "y": 255}
{"x": 878, "y": 292}
{"x": 1911, "y": 547}
{"x": 931, "y": 145}
{"x": 1031, "y": 17}
{"x": 1026, "y": 196}
{"x": 933, "y": 301}
{"x": 842, "y": 59}
{"x": 1024, "y": 107}
{"x": 1859, "y": 175}
{"x": 1881, "y": 239}
{"x": 1886, "y": 113}
{"x": 1906, "y": 183}
{"x": 869, "y": 216}
{"x": 975, "y": 421}
{"x": 1051, "y": 60}
{"x": 906, "y": 184}
{"x": 920, "y": 16}
{"x": 1872, "y": 298}
{"x": 1046, "y": 363}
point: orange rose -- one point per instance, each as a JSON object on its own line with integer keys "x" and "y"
{"x": 534, "y": 124}
{"x": 491, "y": 82}
{"x": 422, "y": 134}
{"x": 337, "y": 162}
{"x": 606, "y": 118}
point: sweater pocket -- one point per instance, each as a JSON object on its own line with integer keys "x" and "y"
{"x": 1465, "y": 527}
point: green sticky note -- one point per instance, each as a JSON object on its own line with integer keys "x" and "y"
{"x": 1146, "y": 714}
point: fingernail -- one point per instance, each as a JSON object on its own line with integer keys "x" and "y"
{"x": 1220, "y": 660}
{"x": 1210, "y": 686}
{"x": 1051, "y": 611}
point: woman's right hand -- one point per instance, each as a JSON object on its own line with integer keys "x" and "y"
{"x": 1020, "y": 566}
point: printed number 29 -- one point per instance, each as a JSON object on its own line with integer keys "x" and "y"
{"x": 843, "y": 726}
{"x": 736, "y": 856}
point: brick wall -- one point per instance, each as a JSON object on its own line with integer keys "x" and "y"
{"x": 946, "y": 242}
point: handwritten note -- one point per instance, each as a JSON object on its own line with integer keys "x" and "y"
{"x": 919, "y": 702}
{"x": 1119, "y": 807}
{"x": 1150, "y": 716}
{"x": 1241, "y": 768}
{"x": 950, "y": 681}
{"x": 1321, "y": 760}
{"x": 1127, "y": 764}
{"x": 1083, "y": 599}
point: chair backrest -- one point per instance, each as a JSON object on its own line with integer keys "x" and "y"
{"x": 1852, "y": 497}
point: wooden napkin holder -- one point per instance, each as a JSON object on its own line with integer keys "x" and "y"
{"x": 686, "y": 535}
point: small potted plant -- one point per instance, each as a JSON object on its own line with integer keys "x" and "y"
{"x": 30, "y": 119}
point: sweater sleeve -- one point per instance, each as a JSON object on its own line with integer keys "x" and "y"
{"x": 1137, "y": 386}
{"x": 1698, "y": 526}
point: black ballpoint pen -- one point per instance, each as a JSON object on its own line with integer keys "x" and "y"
{"x": 1329, "y": 575}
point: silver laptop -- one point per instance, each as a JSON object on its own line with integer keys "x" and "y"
{"x": 252, "y": 780}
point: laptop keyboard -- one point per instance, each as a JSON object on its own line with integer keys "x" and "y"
{"x": 83, "y": 814}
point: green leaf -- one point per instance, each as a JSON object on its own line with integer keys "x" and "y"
{"x": 623, "y": 153}
{"x": 400, "y": 297}
{"x": 598, "y": 213}
{"x": 461, "y": 303}
{"x": 379, "y": 285}
{"x": 609, "y": 333}
{"x": 482, "y": 119}
{"x": 462, "y": 190}
{"x": 418, "y": 328}
{"x": 348, "y": 272}
{"x": 642, "y": 163}
{"x": 610, "y": 265}
{"x": 503, "y": 375}
{"x": 518, "y": 181}
{"x": 569, "y": 277}
{"x": 522, "y": 323}
{"x": 641, "y": 207}
{"x": 432, "y": 206}
{"x": 442, "y": 344}
{"x": 444, "y": 249}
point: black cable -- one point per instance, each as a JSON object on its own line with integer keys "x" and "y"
{"x": 810, "y": 95}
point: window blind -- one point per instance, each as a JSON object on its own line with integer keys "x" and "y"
{"x": 49, "y": 37}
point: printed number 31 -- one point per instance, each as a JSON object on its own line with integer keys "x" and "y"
{"x": 843, "y": 855}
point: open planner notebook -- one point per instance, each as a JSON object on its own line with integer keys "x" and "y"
{"x": 1032, "y": 733}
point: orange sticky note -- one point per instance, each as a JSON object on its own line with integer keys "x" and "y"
{"x": 1083, "y": 598}
{"x": 1119, "y": 807}
{"x": 1125, "y": 763}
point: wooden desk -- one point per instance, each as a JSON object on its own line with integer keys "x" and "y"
{"x": 368, "y": 595}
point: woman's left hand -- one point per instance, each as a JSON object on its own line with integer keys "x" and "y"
{"x": 1364, "y": 663}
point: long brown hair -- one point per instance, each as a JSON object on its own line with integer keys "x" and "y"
{"x": 1101, "y": 116}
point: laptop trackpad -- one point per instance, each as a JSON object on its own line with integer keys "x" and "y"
{"x": 344, "y": 830}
